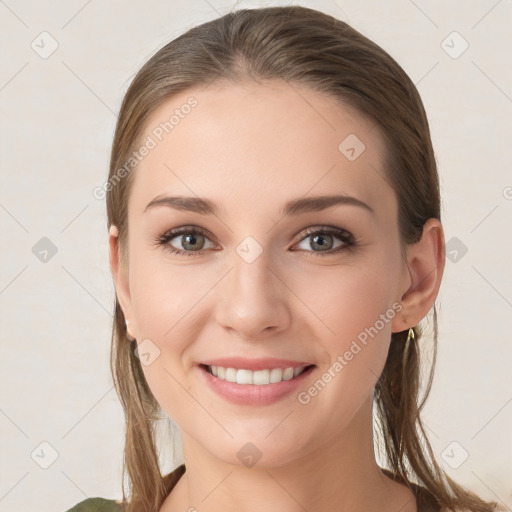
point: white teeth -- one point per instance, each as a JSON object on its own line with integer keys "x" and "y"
{"x": 230, "y": 374}
{"x": 259, "y": 377}
{"x": 276, "y": 375}
{"x": 288, "y": 374}
{"x": 243, "y": 376}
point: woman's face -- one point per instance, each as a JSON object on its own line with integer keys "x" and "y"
{"x": 257, "y": 283}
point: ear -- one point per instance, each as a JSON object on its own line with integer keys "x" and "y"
{"x": 425, "y": 266}
{"x": 120, "y": 276}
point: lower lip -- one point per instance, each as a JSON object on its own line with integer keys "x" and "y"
{"x": 252, "y": 394}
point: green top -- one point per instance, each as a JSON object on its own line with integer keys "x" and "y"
{"x": 96, "y": 505}
{"x": 104, "y": 505}
{"x": 425, "y": 500}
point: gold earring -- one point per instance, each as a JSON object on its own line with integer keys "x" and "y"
{"x": 411, "y": 336}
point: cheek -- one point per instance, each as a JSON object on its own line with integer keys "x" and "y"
{"x": 356, "y": 306}
{"x": 350, "y": 298}
{"x": 166, "y": 302}
{"x": 164, "y": 293}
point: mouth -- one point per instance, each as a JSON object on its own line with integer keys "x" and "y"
{"x": 260, "y": 377}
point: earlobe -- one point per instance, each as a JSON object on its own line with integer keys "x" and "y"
{"x": 426, "y": 261}
{"x": 119, "y": 273}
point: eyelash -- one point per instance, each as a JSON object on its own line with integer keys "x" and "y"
{"x": 349, "y": 241}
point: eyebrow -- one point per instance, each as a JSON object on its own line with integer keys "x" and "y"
{"x": 293, "y": 207}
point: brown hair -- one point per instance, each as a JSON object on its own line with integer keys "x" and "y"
{"x": 305, "y": 47}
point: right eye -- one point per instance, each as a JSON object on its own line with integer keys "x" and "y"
{"x": 189, "y": 238}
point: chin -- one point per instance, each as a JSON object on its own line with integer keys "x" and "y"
{"x": 257, "y": 452}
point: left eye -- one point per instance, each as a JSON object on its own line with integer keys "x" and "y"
{"x": 193, "y": 240}
{"x": 324, "y": 240}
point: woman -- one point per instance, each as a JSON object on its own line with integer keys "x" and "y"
{"x": 275, "y": 241}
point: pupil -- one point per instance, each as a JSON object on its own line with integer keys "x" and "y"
{"x": 190, "y": 239}
{"x": 320, "y": 240}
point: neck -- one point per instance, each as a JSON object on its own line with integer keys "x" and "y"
{"x": 340, "y": 474}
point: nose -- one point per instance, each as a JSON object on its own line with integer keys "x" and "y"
{"x": 252, "y": 300}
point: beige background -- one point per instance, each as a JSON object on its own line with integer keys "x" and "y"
{"x": 58, "y": 116}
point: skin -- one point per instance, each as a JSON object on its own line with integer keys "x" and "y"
{"x": 251, "y": 147}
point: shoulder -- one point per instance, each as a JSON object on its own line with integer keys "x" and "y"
{"x": 97, "y": 505}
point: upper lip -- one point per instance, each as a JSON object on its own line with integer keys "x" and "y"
{"x": 255, "y": 364}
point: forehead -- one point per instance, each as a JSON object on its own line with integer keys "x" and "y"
{"x": 261, "y": 143}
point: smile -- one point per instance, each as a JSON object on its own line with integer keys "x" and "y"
{"x": 258, "y": 377}
{"x": 260, "y": 387}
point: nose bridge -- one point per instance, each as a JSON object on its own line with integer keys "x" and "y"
{"x": 252, "y": 300}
